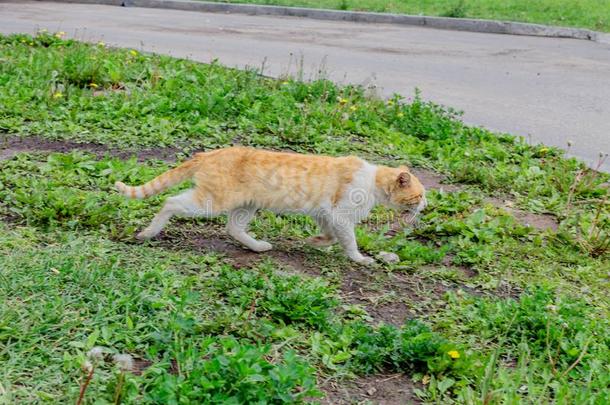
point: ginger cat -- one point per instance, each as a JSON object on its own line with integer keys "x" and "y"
{"x": 338, "y": 192}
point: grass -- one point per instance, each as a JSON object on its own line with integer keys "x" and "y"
{"x": 592, "y": 14}
{"x": 486, "y": 309}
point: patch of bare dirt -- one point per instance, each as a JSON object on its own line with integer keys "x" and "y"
{"x": 542, "y": 222}
{"x": 213, "y": 239}
{"x": 140, "y": 365}
{"x": 433, "y": 180}
{"x": 395, "y": 389}
{"x": 386, "y": 303}
{"x": 465, "y": 271}
{"x": 12, "y": 145}
{"x": 387, "y": 297}
{"x": 393, "y": 299}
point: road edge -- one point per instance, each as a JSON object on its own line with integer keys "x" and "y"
{"x": 445, "y": 23}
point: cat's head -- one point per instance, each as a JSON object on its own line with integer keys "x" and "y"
{"x": 402, "y": 190}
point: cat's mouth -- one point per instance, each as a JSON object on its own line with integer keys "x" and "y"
{"x": 409, "y": 216}
{"x": 406, "y": 218}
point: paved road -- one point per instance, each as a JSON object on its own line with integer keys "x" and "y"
{"x": 549, "y": 90}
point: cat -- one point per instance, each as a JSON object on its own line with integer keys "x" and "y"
{"x": 338, "y": 192}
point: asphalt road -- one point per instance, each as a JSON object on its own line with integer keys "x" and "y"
{"x": 547, "y": 90}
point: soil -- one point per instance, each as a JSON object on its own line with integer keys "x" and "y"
{"x": 433, "y": 180}
{"x": 395, "y": 389}
{"x": 212, "y": 238}
{"x": 541, "y": 222}
{"x": 389, "y": 297}
{"x": 12, "y": 145}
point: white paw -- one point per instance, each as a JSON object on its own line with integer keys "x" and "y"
{"x": 145, "y": 235}
{"x": 262, "y": 247}
{"x": 365, "y": 261}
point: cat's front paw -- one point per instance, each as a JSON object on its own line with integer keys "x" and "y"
{"x": 145, "y": 235}
{"x": 262, "y": 246}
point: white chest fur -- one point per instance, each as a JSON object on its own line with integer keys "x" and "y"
{"x": 359, "y": 197}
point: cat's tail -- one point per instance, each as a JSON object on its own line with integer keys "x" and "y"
{"x": 157, "y": 185}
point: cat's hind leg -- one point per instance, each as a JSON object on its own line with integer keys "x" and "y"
{"x": 237, "y": 226}
{"x": 184, "y": 204}
{"x": 327, "y": 235}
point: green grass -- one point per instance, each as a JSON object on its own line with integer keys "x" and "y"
{"x": 494, "y": 311}
{"x": 593, "y": 14}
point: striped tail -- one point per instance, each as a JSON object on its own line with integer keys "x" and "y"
{"x": 157, "y": 185}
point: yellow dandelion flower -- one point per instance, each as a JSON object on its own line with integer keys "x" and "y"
{"x": 544, "y": 150}
{"x": 454, "y": 354}
{"x": 57, "y": 94}
{"x": 133, "y": 53}
{"x": 390, "y": 102}
{"x": 93, "y": 85}
{"x": 353, "y": 108}
{"x": 342, "y": 100}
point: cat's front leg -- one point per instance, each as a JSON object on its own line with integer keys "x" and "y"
{"x": 344, "y": 231}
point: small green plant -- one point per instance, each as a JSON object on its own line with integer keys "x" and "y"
{"x": 459, "y": 10}
{"x": 416, "y": 254}
{"x": 589, "y": 231}
{"x": 365, "y": 349}
{"x": 231, "y": 372}
{"x": 287, "y": 299}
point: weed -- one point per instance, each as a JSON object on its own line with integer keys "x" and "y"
{"x": 459, "y": 10}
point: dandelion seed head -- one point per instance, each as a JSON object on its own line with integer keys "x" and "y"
{"x": 96, "y": 353}
{"x": 124, "y": 361}
{"x": 87, "y": 366}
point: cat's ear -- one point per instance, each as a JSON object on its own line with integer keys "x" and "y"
{"x": 404, "y": 179}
